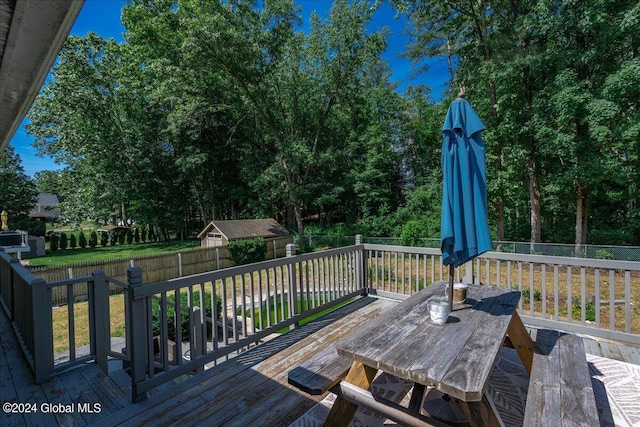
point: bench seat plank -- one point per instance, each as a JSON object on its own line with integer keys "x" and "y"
{"x": 560, "y": 390}
{"x": 320, "y": 373}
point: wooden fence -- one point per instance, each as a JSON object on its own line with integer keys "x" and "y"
{"x": 156, "y": 268}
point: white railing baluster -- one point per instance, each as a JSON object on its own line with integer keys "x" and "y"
{"x": 612, "y": 301}
{"x": 251, "y": 304}
{"x": 520, "y": 285}
{"x": 531, "y": 289}
{"x": 556, "y": 292}
{"x": 597, "y": 296}
{"x": 627, "y": 301}
{"x": 569, "y": 295}
{"x": 583, "y": 296}
{"x": 544, "y": 291}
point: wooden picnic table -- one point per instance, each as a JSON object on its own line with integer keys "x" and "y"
{"x": 455, "y": 358}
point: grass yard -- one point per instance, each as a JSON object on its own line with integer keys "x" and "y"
{"x": 81, "y": 320}
{"x": 106, "y": 253}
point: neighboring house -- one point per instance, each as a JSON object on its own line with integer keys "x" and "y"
{"x": 219, "y": 233}
{"x": 46, "y": 207}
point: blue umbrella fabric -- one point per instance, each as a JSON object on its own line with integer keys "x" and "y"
{"x": 464, "y": 230}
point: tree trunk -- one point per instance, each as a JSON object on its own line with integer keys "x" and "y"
{"x": 291, "y": 216}
{"x": 580, "y": 233}
{"x": 534, "y": 202}
{"x": 123, "y": 211}
{"x": 299, "y": 222}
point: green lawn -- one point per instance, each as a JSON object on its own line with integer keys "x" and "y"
{"x": 71, "y": 256}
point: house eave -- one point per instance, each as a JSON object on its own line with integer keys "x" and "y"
{"x": 31, "y": 35}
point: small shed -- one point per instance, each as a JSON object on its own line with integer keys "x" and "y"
{"x": 46, "y": 207}
{"x": 219, "y": 233}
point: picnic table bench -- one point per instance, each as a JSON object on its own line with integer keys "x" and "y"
{"x": 560, "y": 383}
{"x": 320, "y": 373}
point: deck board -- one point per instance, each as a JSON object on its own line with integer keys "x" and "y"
{"x": 83, "y": 384}
{"x": 251, "y": 386}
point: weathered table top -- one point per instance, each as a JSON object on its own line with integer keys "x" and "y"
{"x": 456, "y": 358}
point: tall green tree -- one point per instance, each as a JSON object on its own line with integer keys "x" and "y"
{"x": 17, "y": 190}
{"x": 293, "y": 85}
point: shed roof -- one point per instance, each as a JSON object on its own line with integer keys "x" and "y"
{"x": 48, "y": 199}
{"x": 246, "y": 228}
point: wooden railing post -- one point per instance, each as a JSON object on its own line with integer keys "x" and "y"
{"x": 137, "y": 339}
{"x": 42, "y": 324}
{"x": 12, "y": 288}
{"x": 362, "y": 265}
{"x": 291, "y": 281}
{"x": 101, "y": 341}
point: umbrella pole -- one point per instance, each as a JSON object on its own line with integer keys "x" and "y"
{"x": 450, "y": 287}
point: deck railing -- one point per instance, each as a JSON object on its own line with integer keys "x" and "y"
{"x": 230, "y": 310}
{"x": 184, "y": 325}
{"x": 590, "y": 296}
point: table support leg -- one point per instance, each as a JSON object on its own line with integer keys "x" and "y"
{"x": 342, "y": 412}
{"x": 416, "y": 397}
{"x": 483, "y": 413}
{"x": 522, "y": 342}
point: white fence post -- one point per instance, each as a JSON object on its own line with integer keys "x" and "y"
{"x": 291, "y": 280}
{"x": 361, "y": 264}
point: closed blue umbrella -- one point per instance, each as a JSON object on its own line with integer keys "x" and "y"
{"x": 464, "y": 230}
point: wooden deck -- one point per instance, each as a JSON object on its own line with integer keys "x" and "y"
{"x": 248, "y": 390}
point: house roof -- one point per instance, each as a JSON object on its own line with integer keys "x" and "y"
{"x": 246, "y": 228}
{"x": 48, "y": 199}
{"x": 31, "y": 34}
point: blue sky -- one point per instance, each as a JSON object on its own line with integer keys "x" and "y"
{"x": 103, "y": 17}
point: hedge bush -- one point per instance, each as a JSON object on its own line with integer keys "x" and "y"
{"x": 247, "y": 251}
{"x": 82, "y": 240}
{"x": 93, "y": 239}
{"x": 63, "y": 241}
{"x": 104, "y": 238}
{"x": 73, "y": 242}
{"x": 54, "y": 242}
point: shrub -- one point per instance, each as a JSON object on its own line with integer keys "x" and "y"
{"x": 136, "y": 235}
{"x": 122, "y": 237}
{"x": 526, "y": 296}
{"x": 412, "y": 232}
{"x": 104, "y": 238}
{"x": 144, "y": 234}
{"x": 93, "y": 239}
{"x": 184, "y": 317}
{"x": 82, "y": 240}
{"x": 53, "y": 243}
{"x": 73, "y": 241}
{"x": 603, "y": 254}
{"x": 63, "y": 241}
{"x": 129, "y": 236}
{"x": 589, "y": 310}
{"x": 247, "y": 251}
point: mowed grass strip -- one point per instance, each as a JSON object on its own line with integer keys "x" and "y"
{"x": 106, "y": 253}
